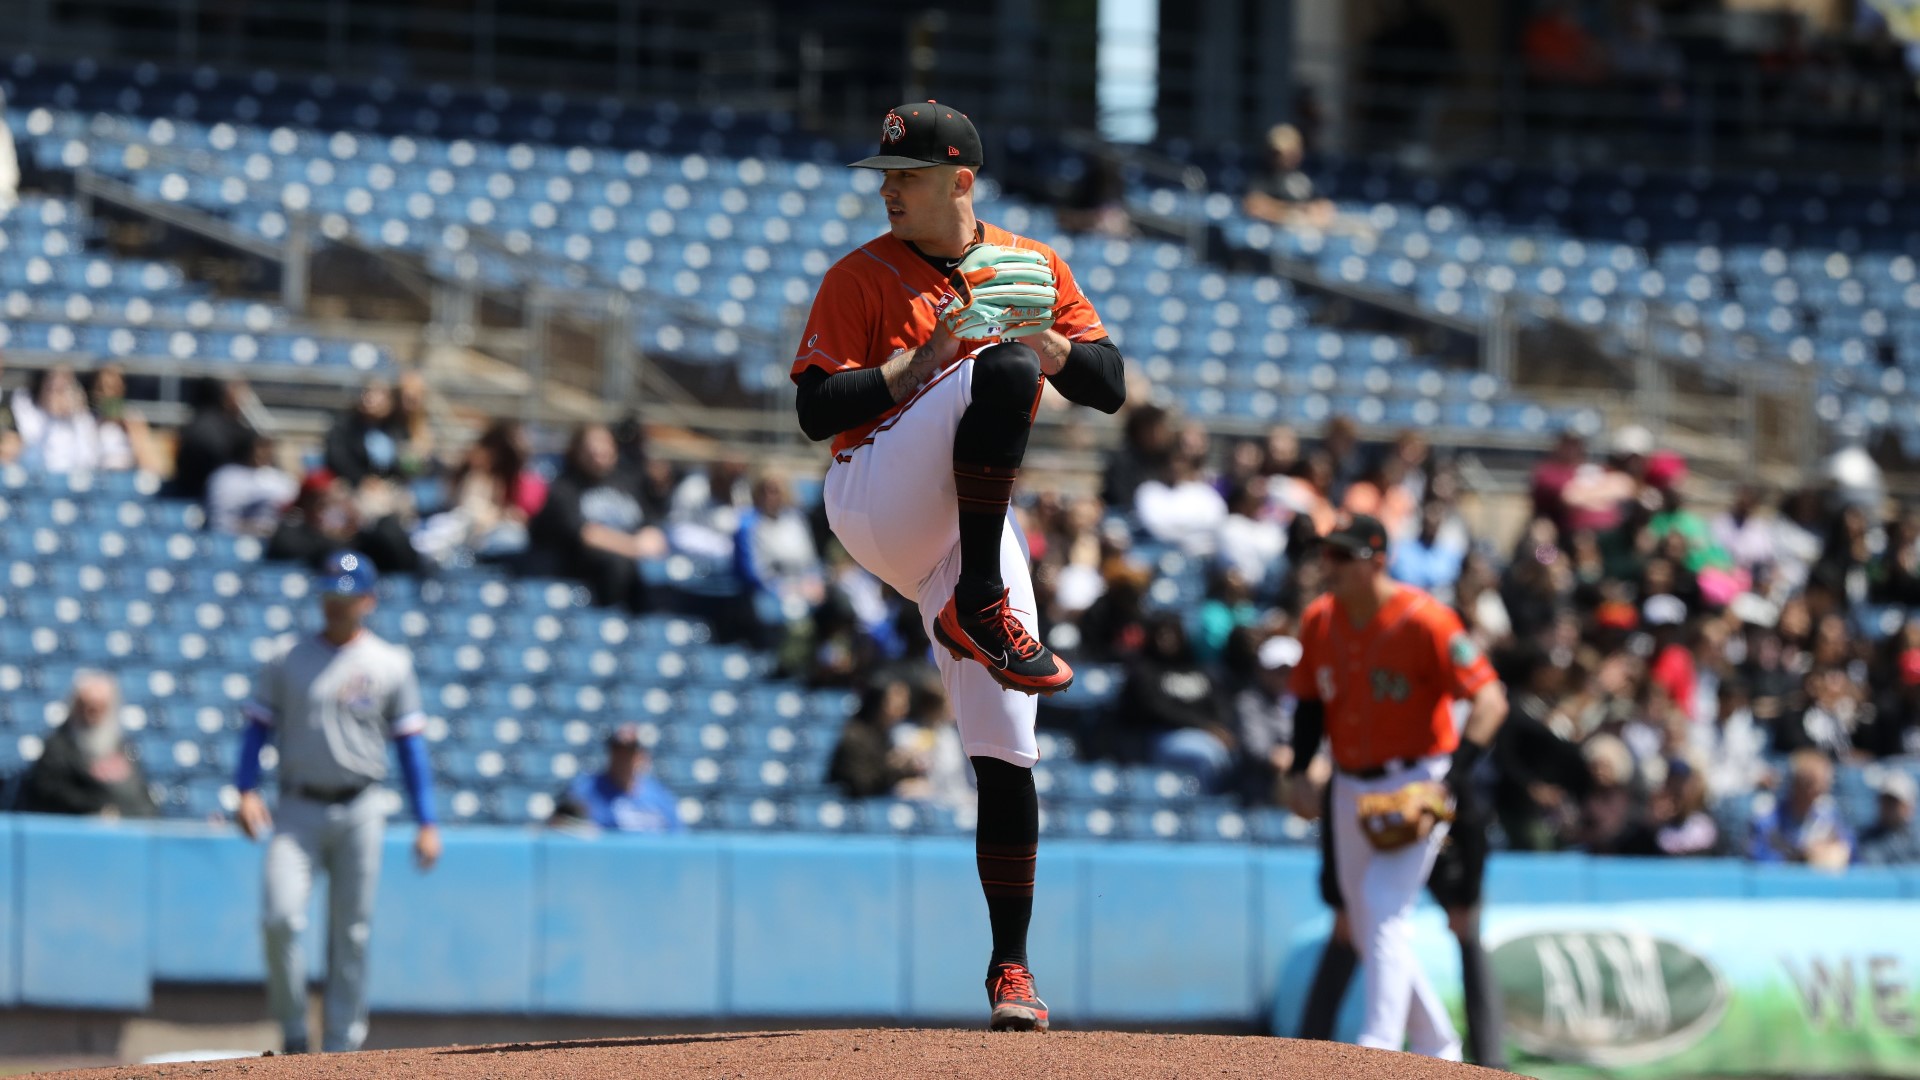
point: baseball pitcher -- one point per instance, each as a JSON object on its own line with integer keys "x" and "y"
{"x": 923, "y": 360}
{"x": 1381, "y": 666}
{"x": 332, "y": 701}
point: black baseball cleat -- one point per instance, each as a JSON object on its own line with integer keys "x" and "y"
{"x": 1016, "y": 1006}
{"x": 994, "y": 638}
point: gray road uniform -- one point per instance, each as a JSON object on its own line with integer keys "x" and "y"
{"x": 332, "y": 712}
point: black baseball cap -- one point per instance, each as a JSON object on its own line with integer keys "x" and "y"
{"x": 923, "y": 133}
{"x": 1360, "y": 536}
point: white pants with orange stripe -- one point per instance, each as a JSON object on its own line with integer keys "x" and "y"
{"x": 891, "y": 504}
{"x": 1380, "y": 888}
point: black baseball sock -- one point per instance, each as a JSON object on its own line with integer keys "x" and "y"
{"x": 988, "y": 447}
{"x": 984, "y": 495}
{"x": 1005, "y": 847}
{"x": 1486, "y": 1014}
{"x": 1337, "y": 963}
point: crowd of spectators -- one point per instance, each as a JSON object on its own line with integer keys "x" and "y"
{"x": 60, "y": 423}
{"x": 605, "y": 512}
{"x": 1666, "y": 665}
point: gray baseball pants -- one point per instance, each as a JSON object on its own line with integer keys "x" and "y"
{"x": 342, "y": 841}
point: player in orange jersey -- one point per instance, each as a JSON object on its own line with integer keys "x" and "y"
{"x": 1382, "y": 664}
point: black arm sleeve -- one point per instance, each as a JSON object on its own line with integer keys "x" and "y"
{"x": 1309, "y": 721}
{"x": 1094, "y": 376}
{"x": 830, "y": 404}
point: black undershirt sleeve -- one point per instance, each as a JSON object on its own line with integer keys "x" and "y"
{"x": 831, "y": 404}
{"x": 1094, "y": 376}
{"x": 1309, "y": 723}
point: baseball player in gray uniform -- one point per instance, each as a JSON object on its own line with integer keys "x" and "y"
{"x": 332, "y": 701}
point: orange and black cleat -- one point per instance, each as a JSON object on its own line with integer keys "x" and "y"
{"x": 1016, "y": 1006}
{"x": 993, "y": 638}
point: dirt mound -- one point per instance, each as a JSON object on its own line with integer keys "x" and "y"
{"x": 891, "y": 1053}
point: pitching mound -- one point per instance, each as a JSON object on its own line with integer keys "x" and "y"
{"x": 817, "y": 1054}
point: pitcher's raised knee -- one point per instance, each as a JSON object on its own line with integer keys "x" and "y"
{"x": 1008, "y": 372}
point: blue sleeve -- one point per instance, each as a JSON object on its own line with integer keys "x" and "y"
{"x": 743, "y": 563}
{"x": 579, "y": 789}
{"x": 247, "y": 776}
{"x": 418, "y": 776}
{"x": 594, "y": 806}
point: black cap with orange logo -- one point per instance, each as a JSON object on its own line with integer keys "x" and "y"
{"x": 919, "y": 134}
{"x": 1358, "y": 536}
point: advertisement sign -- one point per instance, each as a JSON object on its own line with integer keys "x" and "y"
{"x": 1681, "y": 988}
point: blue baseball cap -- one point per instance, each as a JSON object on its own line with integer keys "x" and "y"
{"x": 347, "y": 573}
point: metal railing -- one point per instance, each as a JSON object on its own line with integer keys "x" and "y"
{"x": 692, "y": 50}
{"x": 1743, "y": 414}
{"x": 1732, "y": 114}
{"x": 1020, "y": 65}
{"x": 542, "y": 331}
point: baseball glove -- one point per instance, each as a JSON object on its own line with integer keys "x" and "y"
{"x": 1393, "y": 819}
{"x": 1002, "y": 292}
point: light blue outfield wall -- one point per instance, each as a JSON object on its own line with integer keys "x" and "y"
{"x": 9, "y": 916}
{"x": 92, "y": 914}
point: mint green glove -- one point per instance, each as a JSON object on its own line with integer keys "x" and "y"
{"x": 1002, "y": 292}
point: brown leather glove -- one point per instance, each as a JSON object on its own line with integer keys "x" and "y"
{"x": 1394, "y": 819}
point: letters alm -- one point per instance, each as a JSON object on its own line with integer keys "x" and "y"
{"x": 1576, "y": 972}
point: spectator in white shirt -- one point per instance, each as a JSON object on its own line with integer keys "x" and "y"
{"x": 1744, "y": 533}
{"x": 1797, "y": 541}
{"x": 704, "y": 513}
{"x": 246, "y": 499}
{"x": 60, "y": 434}
{"x": 929, "y": 740}
{"x": 1733, "y": 745}
{"x": 125, "y": 440}
{"x": 1180, "y": 506}
{"x": 774, "y": 550}
{"x": 1250, "y": 542}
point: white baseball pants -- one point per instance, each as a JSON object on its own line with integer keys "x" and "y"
{"x": 1380, "y": 889}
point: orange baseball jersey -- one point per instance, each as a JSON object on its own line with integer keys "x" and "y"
{"x": 884, "y": 297}
{"x": 1388, "y": 687}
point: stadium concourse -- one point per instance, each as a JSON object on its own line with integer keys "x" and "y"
{"x": 1686, "y": 654}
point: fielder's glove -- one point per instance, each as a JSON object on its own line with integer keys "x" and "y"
{"x": 1393, "y": 819}
{"x": 1002, "y": 292}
